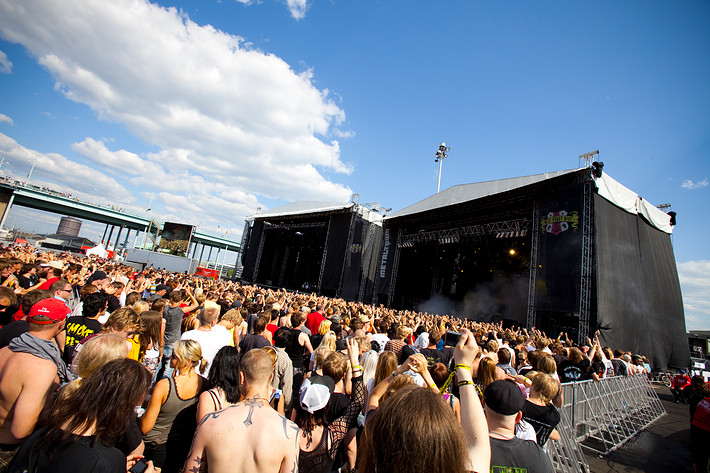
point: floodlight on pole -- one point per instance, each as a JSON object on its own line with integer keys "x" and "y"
{"x": 440, "y": 155}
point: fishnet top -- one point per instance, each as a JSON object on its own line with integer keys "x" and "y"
{"x": 321, "y": 459}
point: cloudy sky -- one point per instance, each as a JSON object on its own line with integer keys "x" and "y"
{"x": 205, "y": 110}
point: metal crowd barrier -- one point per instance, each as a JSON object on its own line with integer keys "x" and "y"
{"x": 600, "y": 416}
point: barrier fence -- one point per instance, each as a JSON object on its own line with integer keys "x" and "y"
{"x": 600, "y": 416}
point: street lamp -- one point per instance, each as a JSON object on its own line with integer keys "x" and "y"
{"x": 29, "y": 174}
{"x": 440, "y": 155}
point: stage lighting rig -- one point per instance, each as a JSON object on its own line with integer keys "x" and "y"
{"x": 588, "y": 157}
{"x": 597, "y": 169}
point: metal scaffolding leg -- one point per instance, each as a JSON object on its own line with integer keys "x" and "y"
{"x": 325, "y": 255}
{"x": 395, "y": 268}
{"x": 586, "y": 270}
{"x": 532, "y": 286}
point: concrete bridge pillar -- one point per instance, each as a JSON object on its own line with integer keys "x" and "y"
{"x": 6, "y": 200}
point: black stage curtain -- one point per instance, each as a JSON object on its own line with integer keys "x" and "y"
{"x": 353, "y": 261}
{"x": 335, "y": 256}
{"x": 640, "y": 307}
{"x": 249, "y": 253}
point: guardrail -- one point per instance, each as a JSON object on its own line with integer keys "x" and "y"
{"x": 600, "y": 416}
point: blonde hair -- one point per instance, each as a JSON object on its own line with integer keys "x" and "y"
{"x": 324, "y": 327}
{"x": 99, "y": 350}
{"x": 140, "y": 306}
{"x": 319, "y": 356}
{"x": 189, "y": 356}
{"x": 233, "y": 316}
{"x": 271, "y": 351}
{"x": 328, "y": 341}
{"x": 545, "y": 386}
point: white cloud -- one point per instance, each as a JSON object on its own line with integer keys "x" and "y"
{"x": 695, "y": 283}
{"x": 221, "y": 113}
{"x": 688, "y": 184}
{"x": 297, "y": 8}
{"x": 5, "y": 64}
{"x": 5, "y": 119}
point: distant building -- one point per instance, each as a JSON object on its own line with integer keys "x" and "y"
{"x": 69, "y": 226}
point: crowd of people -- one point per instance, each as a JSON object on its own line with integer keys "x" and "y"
{"x": 105, "y": 368}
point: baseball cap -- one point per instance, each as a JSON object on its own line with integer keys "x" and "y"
{"x": 53, "y": 309}
{"x": 504, "y": 397}
{"x": 53, "y": 264}
{"x": 163, "y": 287}
{"x": 97, "y": 276}
{"x": 315, "y": 392}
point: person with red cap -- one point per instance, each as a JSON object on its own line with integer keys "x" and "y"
{"x": 31, "y": 370}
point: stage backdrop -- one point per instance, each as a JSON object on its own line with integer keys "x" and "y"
{"x": 640, "y": 307}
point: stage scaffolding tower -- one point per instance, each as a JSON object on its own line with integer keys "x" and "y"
{"x": 532, "y": 287}
{"x": 586, "y": 270}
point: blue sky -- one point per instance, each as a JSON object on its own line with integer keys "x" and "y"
{"x": 214, "y": 108}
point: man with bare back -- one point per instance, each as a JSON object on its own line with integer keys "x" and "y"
{"x": 31, "y": 369}
{"x": 250, "y": 436}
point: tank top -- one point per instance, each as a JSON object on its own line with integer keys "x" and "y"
{"x": 170, "y": 409}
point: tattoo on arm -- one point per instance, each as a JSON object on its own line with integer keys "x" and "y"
{"x": 199, "y": 464}
{"x": 287, "y": 425}
{"x": 211, "y": 415}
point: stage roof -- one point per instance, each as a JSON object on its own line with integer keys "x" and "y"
{"x": 608, "y": 188}
{"x": 304, "y": 207}
{"x": 477, "y": 190}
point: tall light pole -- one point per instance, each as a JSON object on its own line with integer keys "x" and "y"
{"x": 440, "y": 155}
{"x": 29, "y": 174}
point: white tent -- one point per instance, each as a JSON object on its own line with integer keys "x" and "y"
{"x": 98, "y": 250}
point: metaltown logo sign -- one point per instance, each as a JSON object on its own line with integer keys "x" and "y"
{"x": 558, "y": 222}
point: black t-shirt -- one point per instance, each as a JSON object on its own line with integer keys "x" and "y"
{"x": 447, "y": 354}
{"x": 113, "y": 303}
{"x": 12, "y": 330}
{"x": 82, "y": 455}
{"x": 569, "y": 371}
{"x": 619, "y": 367}
{"x": 252, "y": 341}
{"x": 558, "y": 358}
{"x": 519, "y": 455}
{"x": 432, "y": 356}
{"x": 78, "y": 328}
{"x": 337, "y": 404}
{"x": 543, "y": 419}
{"x": 296, "y": 352}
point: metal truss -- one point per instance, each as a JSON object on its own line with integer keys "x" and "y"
{"x": 586, "y": 269}
{"x": 258, "y": 257}
{"x": 504, "y": 229}
{"x": 293, "y": 226}
{"x": 325, "y": 254}
{"x": 395, "y": 269}
{"x": 532, "y": 287}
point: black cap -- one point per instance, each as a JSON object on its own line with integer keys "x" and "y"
{"x": 504, "y": 397}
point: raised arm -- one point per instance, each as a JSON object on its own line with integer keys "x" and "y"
{"x": 473, "y": 420}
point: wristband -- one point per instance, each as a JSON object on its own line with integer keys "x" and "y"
{"x": 357, "y": 367}
{"x": 465, "y": 383}
{"x": 433, "y": 386}
{"x": 462, "y": 366}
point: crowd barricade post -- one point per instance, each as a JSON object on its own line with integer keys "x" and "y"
{"x": 600, "y": 416}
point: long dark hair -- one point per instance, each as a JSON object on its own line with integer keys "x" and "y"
{"x": 105, "y": 400}
{"x": 224, "y": 373}
{"x": 413, "y": 427}
{"x": 151, "y": 321}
